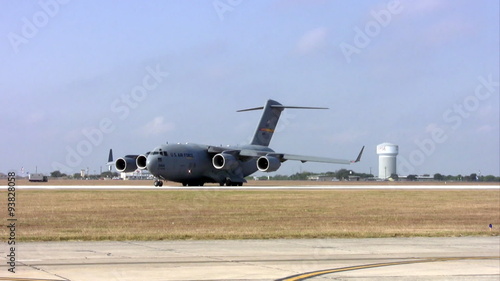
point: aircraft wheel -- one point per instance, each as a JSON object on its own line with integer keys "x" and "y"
{"x": 160, "y": 183}
{"x": 156, "y": 183}
{"x": 184, "y": 184}
{"x": 221, "y": 184}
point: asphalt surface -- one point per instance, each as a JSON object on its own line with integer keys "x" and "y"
{"x": 459, "y": 258}
{"x": 249, "y": 187}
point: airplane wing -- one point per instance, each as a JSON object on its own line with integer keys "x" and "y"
{"x": 302, "y": 158}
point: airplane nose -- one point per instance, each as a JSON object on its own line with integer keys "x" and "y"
{"x": 152, "y": 164}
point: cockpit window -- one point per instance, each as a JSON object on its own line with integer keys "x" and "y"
{"x": 160, "y": 151}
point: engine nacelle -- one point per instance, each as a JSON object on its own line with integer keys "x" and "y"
{"x": 224, "y": 161}
{"x": 140, "y": 162}
{"x": 268, "y": 164}
{"x": 126, "y": 164}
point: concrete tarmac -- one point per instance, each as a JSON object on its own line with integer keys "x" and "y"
{"x": 384, "y": 185}
{"x": 460, "y": 258}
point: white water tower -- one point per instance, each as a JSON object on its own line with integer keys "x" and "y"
{"x": 387, "y": 153}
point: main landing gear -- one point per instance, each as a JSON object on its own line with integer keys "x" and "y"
{"x": 158, "y": 183}
{"x": 193, "y": 183}
{"x": 231, "y": 183}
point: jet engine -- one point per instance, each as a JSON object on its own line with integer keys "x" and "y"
{"x": 224, "y": 161}
{"x": 141, "y": 161}
{"x": 268, "y": 163}
{"x": 126, "y": 164}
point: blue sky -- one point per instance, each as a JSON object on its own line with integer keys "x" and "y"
{"x": 81, "y": 77}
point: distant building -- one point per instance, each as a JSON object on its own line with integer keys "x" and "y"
{"x": 137, "y": 175}
{"x": 354, "y": 178}
{"x": 321, "y": 178}
{"x": 387, "y": 153}
{"x": 37, "y": 178}
{"x": 418, "y": 178}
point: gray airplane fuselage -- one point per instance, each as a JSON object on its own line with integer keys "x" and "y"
{"x": 192, "y": 164}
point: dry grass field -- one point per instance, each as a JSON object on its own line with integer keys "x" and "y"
{"x": 148, "y": 214}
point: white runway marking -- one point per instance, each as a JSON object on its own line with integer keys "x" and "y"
{"x": 175, "y": 187}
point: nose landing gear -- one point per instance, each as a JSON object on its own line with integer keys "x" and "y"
{"x": 158, "y": 183}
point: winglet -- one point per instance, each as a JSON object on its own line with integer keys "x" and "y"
{"x": 359, "y": 155}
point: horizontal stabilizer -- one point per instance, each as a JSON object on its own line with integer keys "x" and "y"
{"x": 297, "y": 107}
{"x": 250, "y": 109}
{"x": 283, "y": 107}
{"x": 269, "y": 119}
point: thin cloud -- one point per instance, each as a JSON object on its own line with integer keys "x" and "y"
{"x": 312, "y": 40}
{"x": 157, "y": 126}
{"x": 350, "y": 136}
{"x": 423, "y": 6}
{"x": 447, "y": 30}
{"x": 485, "y": 129}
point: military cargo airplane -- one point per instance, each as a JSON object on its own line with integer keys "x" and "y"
{"x": 197, "y": 164}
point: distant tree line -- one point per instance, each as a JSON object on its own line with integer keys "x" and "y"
{"x": 344, "y": 174}
{"x": 470, "y": 178}
{"x": 58, "y": 174}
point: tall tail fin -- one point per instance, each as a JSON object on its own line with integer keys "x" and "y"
{"x": 269, "y": 120}
{"x": 110, "y": 160}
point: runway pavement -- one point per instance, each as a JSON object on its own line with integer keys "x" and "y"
{"x": 249, "y": 187}
{"x": 460, "y": 258}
